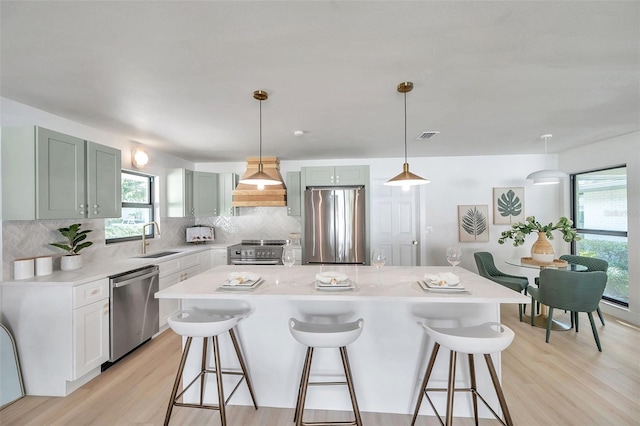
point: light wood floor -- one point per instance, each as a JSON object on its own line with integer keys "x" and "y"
{"x": 565, "y": 382}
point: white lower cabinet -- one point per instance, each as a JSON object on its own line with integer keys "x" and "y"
{"x": 91, "y": 337}
{"x": 218, "y": 256}
{"x": 62, "y": 333}
{"x": 174, "y": 271}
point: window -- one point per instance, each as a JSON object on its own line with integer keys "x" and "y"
{"x": 600, "y": 216}
{"x": 137, "y": 209}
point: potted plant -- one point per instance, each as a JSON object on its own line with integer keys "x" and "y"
{"x": 542, "y": 250}
{"x": 72, "y": 260}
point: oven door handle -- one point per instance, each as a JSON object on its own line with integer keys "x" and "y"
{"x": 254, "y": 262}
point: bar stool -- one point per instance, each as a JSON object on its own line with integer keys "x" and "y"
{"x": 482, "y": 339}
{"x": 206, "y": 323}
{"x": 314, "y": 335}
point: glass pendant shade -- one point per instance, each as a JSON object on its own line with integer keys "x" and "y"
{"x": 547, "y": 176}
{"x": 406, "y": 179}
{"x": 260, "y": 178}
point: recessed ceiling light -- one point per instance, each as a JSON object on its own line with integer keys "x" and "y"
{"x": 298, "y": 132}
{"x": 426, "y": 135}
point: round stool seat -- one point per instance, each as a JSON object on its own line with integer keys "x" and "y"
{"x": 201, "y": 323}
{"x": 325, "y": 335}
{"x": 486, "y": 338}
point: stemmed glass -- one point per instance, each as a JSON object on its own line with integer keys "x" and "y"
{"x": 454, "y": 256}
{"x": 288, "y": 260}
{"x": 378, "y": 259}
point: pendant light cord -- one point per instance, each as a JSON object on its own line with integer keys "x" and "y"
{"x": 260, "y": 131}
{"x": 405, "y": 127}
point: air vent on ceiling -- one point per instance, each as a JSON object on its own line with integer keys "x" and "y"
{"x": 426, "y": 135}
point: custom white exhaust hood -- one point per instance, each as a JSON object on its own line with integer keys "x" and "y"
{"x": 272, "y": 196}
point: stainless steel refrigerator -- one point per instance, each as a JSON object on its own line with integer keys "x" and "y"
{"x": 334, "y": 230}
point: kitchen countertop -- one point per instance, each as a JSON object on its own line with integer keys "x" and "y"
{"x": 398, "y": 283}
{"x": 98, "y": 270}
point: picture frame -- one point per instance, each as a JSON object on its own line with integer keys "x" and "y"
{"x": 508, "y": 205}
{"x": 473, "y": 223}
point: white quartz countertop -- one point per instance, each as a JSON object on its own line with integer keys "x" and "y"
{"x": 399, "y": 283}
{"x": 101, "y": 269}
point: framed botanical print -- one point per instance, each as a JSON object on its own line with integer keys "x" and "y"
{"x": 508, "y": 205}
{"x": 473, "y": 223}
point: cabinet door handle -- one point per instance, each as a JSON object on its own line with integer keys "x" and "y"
{"x": 105, "y": 309}
{"x": 82, "y": 206}
{"x": 81, "y": 212}
{"x": 94, "y": 291}
{"x": 95, "y": 206}
{"x": 95, "y": 212}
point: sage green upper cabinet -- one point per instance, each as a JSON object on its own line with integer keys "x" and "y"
{"x": 336, "y": 176}
{"x": 104, "y": 187}
{"x": 191, "y": 194}
{"x": 205, "y": 194}
{"x": 227, "y": 182}
{"x": 49, "y": 175}
{"x": 294, "y": 195}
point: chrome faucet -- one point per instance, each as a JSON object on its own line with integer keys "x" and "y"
{"x": 144, "y": 240}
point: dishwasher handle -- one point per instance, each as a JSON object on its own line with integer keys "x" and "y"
{"x": 133, "y": 280}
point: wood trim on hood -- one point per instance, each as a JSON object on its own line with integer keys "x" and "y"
{"x": 272, "y": 196}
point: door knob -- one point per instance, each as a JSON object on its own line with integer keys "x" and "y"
{"x": 414, "y": 242}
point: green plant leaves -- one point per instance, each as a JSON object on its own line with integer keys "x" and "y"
{"x": 75, "y": 237}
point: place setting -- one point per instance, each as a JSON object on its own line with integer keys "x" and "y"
{"x": 241, "y": 281}
{"x": 445, "y": 282}
{"x": 333, "y": 281}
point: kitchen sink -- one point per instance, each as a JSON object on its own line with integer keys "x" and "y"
{"x": 159, "y": 254}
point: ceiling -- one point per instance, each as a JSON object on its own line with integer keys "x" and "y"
{"x": 490, "y": 76}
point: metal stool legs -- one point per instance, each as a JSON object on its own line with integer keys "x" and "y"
{"x": 451, "y": 389}
{"x": 203, "y": 371}
{"x": 304, "y": 384}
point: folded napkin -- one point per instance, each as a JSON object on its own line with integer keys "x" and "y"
{"x": 332, "y": 278}
{"x": 442, "y": 279}
{"x": 241, "y": 278}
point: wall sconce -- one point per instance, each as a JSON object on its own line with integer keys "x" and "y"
{"x": 139, "y": 159}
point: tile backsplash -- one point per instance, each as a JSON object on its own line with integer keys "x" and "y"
{"x": 31, "y": 238}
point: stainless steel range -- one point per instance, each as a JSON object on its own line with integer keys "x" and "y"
{"x": 256, "y": 252}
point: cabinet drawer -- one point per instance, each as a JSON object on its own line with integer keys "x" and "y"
{"x": 91, "y": 292}
{"x": 169, "y": 267}
{"x": 189, "y": 261}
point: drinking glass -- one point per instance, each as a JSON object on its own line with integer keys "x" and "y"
{"x": 378, "y": 259}
{"x": 288, "y": 260}
{"x": 454, "y": 256}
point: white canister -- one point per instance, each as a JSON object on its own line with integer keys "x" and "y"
{"x": 23, "y": 268}
{"x": 44, "y": 265}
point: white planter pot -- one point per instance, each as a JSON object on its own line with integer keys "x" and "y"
{"x": 71, "y": 263}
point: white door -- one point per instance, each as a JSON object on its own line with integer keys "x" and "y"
{"x": 394, "y": 217}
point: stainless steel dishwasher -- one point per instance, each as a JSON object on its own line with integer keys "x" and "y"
{"x": 134, "y": 310}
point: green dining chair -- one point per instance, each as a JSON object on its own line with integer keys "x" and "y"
{"x": 592, "y": 264}
{"x": 487, "y": 268}
{"x": 572, "y": 291}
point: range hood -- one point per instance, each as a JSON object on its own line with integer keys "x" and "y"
{"x": 272, "y": 195}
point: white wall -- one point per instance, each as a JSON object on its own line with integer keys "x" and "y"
{"x": 614, "y": 152}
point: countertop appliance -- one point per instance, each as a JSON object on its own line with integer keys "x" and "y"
{"x": 199, "y": 234}
{"x": 334, "y": 225}
{"x": 134, "y": 314}
{"x": 256, "y": 252}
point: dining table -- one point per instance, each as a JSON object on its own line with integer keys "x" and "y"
{"x": 387, "y": 360}
{"x": 542, "y": 318}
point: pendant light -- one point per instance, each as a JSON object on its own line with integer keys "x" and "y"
{"x": 260, "y": 178}
{"x": 406, "y": 179}
{"x": 547, "y": 176}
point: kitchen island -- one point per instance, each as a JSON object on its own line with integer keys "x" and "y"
{"x": 389, "y": 358}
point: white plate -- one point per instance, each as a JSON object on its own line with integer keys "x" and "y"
{"x": 254, "y": 285}
{"x": 243, "y": 279}
{"x": 442, "y": 289}
{"x": 331, "y": 277}
{"x": 345, "y": 285}
{"x": 443, "y": 279}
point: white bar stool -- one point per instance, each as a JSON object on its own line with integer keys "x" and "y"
{"x": 315, "y": 335}
{"x": 206, "y": 323}
{"x": 485, "y": 339}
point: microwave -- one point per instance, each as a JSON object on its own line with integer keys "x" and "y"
{"x": 199, "y": 234}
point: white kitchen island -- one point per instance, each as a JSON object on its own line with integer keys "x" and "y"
{"x": 389, "y": 358}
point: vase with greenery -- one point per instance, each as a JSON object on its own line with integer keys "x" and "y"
{"x": 72, "y": 260}
{"x": 542, "y": 251}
